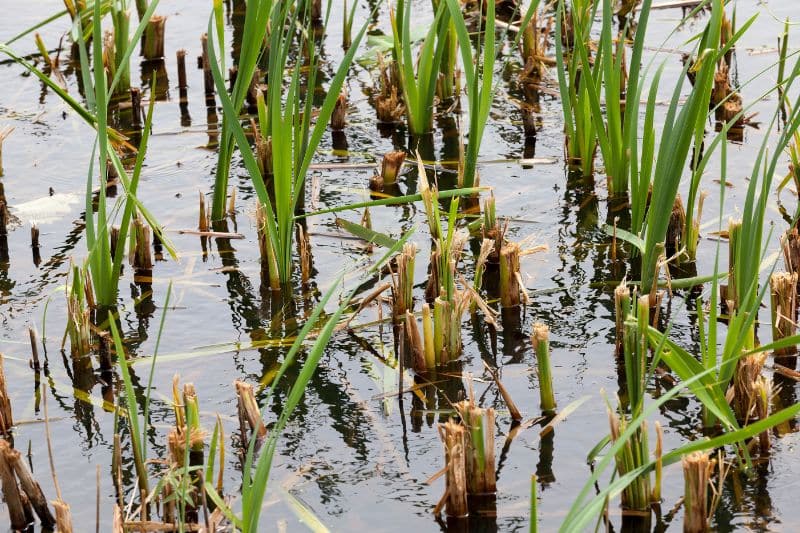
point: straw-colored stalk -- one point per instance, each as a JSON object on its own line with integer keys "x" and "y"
{"x": 414, "y": 343}
{"x": 791, "y": 250}
{"x": 4, "y": 133}
{"x": 453, "y": 436}
{"x": 510, "y": 286}
{"x": 479, "y": 447}
{"x": 622, "y": 305}
{"x": 248, "y": 408}
{"x": 141, "y": 259}
{"x": 763, "y": 396}
{"x": 734, "y": 233}
{"x": 203, "y": 218}
{"x": 427, "y": 330}
{"x": 29, "y": 486}
{"x": 535, "y": 42}
{"x": 153, "y": 46}
{"x": 391, "y": 165}
{"x": 78, "y": 325}
{"x": 677, "y": 222}
{"x": 16, "y": 502}
{"x": 541, "y": 345}
{"x": 697, "y": 470}
{"x": 403, "y": 282}
{"x": 6, "y": 416}
{"x": 783, "y": 301}
{"x": 64, "y": 516}
{"x": 339, "y": 115}
{"x": 304, "y": 253}
{"x": 747, "y": 386}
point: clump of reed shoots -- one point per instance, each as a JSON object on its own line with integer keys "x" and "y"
{"x": 697, "y": 470}
{"x": 747, "y": 386}
{"x": 153, "y": 45}
{"x": 454, "y": 500}
{"x": 6, "y": 415}
{"x": 783, "y": 299}
{"x": 541, "y": 345}
{"x": 80, "y": 301}
{"x": 389, "y": 107}
{"x": 5, "y": 131}
{"x": 479, "y": 447}
{"x": 403, "y": 282}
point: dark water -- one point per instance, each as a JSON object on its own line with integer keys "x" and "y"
{"x": 350, "y": 457}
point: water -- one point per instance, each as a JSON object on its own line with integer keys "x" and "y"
{"x": 354, "y": 455}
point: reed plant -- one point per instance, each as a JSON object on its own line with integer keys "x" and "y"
{"x": 478, "y": 64}
{"x": 580, "y": 127}
{"x": 418, "y": 76}
{"x": 287, "y": 113}
{"x": 617, "y": 132}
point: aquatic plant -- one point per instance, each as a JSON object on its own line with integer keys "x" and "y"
{"x": 418, "y": 77}
{"x": 288, "y": 127}
{"x": 580, "y": 127}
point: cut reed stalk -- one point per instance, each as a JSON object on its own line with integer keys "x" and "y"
{"x": 403, "y": 282}
{"x": 249, "y": 412}
{"x": 37, "y": 258}
{"x": 16, "y": 503}
{"x": 183, "y": 85}
{"x": 141, "y": 259}
{"x": 203, "y": 222}
{"x": 208, "y": 77}
{"x": 675, "y": 228}
{"x": 415, "y": 344}
{"x": 391, "y": 165}
{"x": 153, "y": 45}
{"x": 746, "y": 386}
{"x": 637, "y": 495}
{"x": 622, "y": 306}
{"x": 479, "y": 448}
{"x": 136, "y": 108}
{"x": 783, "y": 301}
{"x": 791, "y": 250}
{"x": 63, "y": 516}
{"x": 541, "y": 345}
{"x": 697, "y": 469}
{"x": 29, "y": 486}
{"x": 6, "y": 415}
{"x": 339, "y": 115}
{"x": 453, "y": 437}
{"x": 510, "y": 288}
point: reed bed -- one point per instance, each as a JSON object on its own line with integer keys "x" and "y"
{"x": 280, "y": 90}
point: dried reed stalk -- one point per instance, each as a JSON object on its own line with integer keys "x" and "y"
{"x": 248, "y": 408}
{"x": 453, "y": 436}
{"x": 479, "y": 447}
{"x": 697, "y": 469}
{"x": 6, "y": 416}
{"x": 783, "y": 300}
